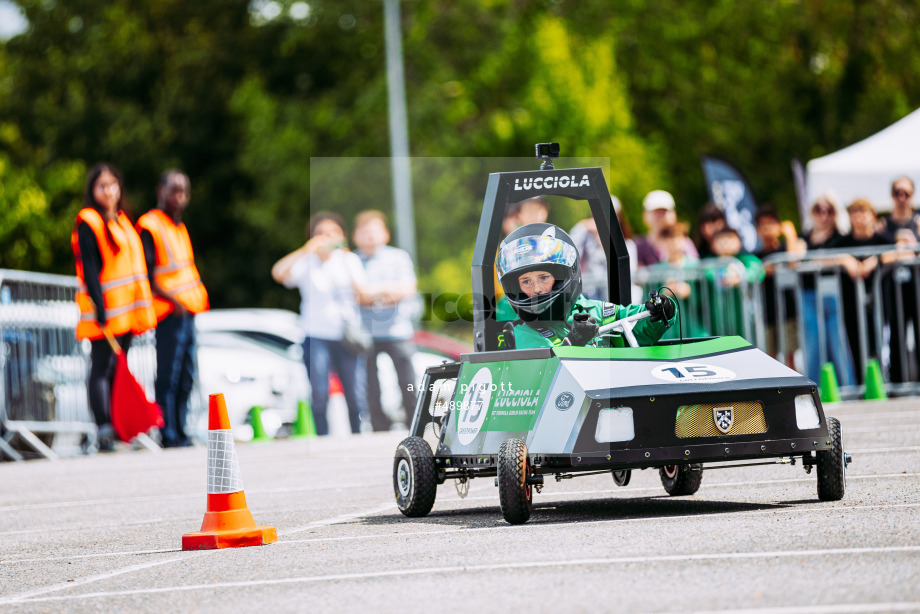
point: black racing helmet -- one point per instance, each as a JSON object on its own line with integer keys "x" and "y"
{"x": 540, "y": 247}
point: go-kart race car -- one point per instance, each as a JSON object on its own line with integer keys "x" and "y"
{"x": 679, "y": 406}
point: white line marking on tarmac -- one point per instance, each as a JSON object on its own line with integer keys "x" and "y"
{"x": 340, "y": 519}
{"x": 876, "y": 429}
{"x": 810, "y": 480}
{"x": 145, "y": 498}
{"x": 88, "y": 556}
{"x": 886, "y": 414}
{"x": 552, "y": 525}
{"x": 78, "y": 527}
{"x": 433, "y": 571}
{"x": 882, "y": 450}
{"x": 833, "y": 608}
{"x": 352, "y": 516}
{"x": 30, "y": 594}
{"x": 404, "y": 534}
{"x": 139, "y": 499}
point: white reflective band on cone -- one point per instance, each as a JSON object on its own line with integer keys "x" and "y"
{"x": 223, "y": 467}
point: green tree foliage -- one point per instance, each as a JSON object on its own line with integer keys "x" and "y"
{"x": 140, "y": 84}
{"x": 36, "y": 221}
{"x": 763, "y": 82}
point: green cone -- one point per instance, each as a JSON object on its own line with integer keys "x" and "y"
{"x": 830, "y": 392}
{"x": 875, "y": 386}
{"x": 304, "y": 426}
{"x": 255, "y": 419}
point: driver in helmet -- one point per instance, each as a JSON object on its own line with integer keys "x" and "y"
{"x": 540, "y": 272}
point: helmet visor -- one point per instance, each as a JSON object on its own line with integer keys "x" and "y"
{"x": 529, "y": 251}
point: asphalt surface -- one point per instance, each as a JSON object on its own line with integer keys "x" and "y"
{"x": 103, "y": 534}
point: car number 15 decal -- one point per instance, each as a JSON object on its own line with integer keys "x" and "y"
{"x": 475, "y": 406}
{"x": 692, "y": 373}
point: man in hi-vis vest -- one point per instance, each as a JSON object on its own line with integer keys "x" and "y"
{"x": 178, "y": 295}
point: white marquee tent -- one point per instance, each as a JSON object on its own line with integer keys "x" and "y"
{"x": 867, "y": 168}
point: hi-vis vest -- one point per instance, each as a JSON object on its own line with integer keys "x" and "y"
{"x": 125, "y": 287}
{"x": 175, "y": 269}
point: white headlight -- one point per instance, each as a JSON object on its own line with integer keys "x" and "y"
{"x": 615, "y": 424}
{"x": 806, "y": 414}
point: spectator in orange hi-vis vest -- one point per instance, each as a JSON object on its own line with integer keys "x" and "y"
{"x": 178, "y": 295}
{"x": 114, "y": 294}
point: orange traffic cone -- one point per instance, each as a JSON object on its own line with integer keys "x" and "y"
{"x": 227, "y": 521}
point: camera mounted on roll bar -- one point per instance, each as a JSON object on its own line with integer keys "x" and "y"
{"x": 547, "y": 152}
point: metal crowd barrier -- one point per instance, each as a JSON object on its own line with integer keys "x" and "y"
{"x": 718, "y": 296}
{"x": 43, "y": 402}
{"x": 848, "y": 321}
{"x": 807, "y": 311}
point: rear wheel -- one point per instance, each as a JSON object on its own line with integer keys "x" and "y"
{"x": 415, "y": 477}
{"x": 832, "y": 469}
{"x": 514, "y": 493}
{"x": 681, "y": 479}
{"x": 621, "y": 477}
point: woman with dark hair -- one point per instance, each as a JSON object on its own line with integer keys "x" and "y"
{"x": 114, "y": 295}
{"x": 710, "y": 222}
{"x": 328, "y": 276}
{"x": 824, "y": 233}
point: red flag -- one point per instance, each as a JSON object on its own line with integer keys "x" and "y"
{"x": 132, "y": 412}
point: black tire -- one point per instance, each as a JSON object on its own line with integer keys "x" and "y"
{"x": 679, "y": 480}
{"x": 415, "y": 477}
{"x": 621, "y": 476}
{"x": 514, "y": 493}
{"x": 832, "y": 470}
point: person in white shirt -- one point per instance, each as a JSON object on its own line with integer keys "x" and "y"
{"x": 388, "y": 307}
{"x": 328, "y": 276}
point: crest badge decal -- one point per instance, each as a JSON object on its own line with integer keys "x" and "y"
{"x": 723, "y": 417}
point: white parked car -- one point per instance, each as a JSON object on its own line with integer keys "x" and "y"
{"x": 254, "y": 357}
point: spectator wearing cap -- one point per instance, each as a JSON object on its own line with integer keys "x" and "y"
{"x": 593, "y": 259}
{"x": 902, "y": 213}
{"x": 659, "y": 213}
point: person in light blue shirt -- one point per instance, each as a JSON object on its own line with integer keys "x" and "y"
{"x": 388, "y": 304}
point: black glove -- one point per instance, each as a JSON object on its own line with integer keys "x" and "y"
{"x": 660, "y": 307}
{"x": 584, "y": 329}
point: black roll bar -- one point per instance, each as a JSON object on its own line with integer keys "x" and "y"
{"x": 505, "y": 188}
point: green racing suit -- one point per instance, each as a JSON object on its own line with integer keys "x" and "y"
{"x": 540, "y": 334}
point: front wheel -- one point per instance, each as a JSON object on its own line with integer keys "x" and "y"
{"x": 415, "y": 477}
{"x": 681, "y": 479}
{"x": 832, "y": 469}
{"x": 515, "y": 494}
